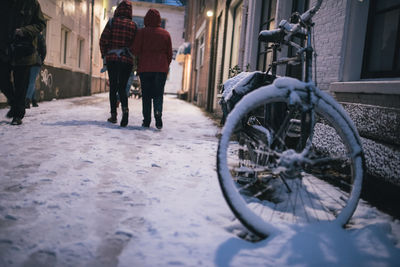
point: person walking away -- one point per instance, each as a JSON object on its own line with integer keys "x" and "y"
{"x": 116, "y": 45}
{"x": 40, "y": 56}
{"x": 21, "y": 21}
{"x": 154, "y": 50}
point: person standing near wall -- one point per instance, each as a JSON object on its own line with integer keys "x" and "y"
{"x": 21, "y": 21}
{"x": 154, "y": 49}
{"x": 40, "y": 56}
{"x": 116, "y": 43}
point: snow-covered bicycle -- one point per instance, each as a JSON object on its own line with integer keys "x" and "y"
{"x": 288, "y": 153}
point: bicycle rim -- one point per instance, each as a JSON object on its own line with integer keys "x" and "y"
{"x": 263, "y": 194}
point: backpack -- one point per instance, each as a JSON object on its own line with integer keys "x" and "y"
{"x": 238, "y": 86}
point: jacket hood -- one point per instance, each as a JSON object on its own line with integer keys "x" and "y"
{"x": 124, "y": 9}
{"x": 152, "y": 18}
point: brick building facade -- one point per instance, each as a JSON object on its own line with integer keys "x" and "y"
{"x": 73, "y": 62}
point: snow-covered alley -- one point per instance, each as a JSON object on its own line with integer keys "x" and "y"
{"x": 78, "y": 191}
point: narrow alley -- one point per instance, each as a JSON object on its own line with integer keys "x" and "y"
{"x": 76, "y": 190}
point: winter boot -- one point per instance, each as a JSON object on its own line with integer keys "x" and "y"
{"x": 34, "y": 103}
{"x": 125, "y": 115}
{"x": 10, "y": 113}
{"x": 113, "y": 118}
{"x": 159, "y": 123}
{"x": 27, "y": 103}
{"x": 16, "y": 121}
{"x": 145, "y": 124}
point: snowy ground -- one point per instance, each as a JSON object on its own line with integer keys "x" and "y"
{"x": 78, "y": 191}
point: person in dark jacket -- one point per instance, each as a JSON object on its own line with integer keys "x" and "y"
{"x": 154, "y": 50}
{"x": 116, "y": 43}
{"x": 40, "y": 56}
{"x": 21, "y": 21}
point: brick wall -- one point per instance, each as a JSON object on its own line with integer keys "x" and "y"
{"x": 329, "y": 29}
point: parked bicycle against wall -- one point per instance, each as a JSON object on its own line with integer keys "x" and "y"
{"x": 288, "y": 153}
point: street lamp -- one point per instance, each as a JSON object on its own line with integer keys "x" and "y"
{"x": 211, "y": 68}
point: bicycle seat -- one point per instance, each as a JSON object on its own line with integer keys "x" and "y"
{"x": 271, "y": 36}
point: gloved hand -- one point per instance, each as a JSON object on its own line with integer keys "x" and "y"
{"x": 104, "y": 69}
{"x": 19, "y": 32}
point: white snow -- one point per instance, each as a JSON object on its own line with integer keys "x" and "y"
{"x": 238, "y": 84}
{"x": 78, "y": 191}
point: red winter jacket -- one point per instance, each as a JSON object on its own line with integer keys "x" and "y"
{"x": 153, "y": 45}
{"x": 119, "y": 33}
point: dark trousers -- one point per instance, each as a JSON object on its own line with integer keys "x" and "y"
{"x": 118, "y": 74}
{"x": 152, "y": 84}
{"x": 14, "y": 91}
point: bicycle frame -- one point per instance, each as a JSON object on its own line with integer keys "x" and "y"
{"x": 282, "y": 36}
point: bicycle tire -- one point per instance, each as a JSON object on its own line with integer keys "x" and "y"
{"x": 243, "y": 196}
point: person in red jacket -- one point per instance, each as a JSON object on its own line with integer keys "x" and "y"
{"x": 116, "y": 45}
{"x": 154, "y": 49}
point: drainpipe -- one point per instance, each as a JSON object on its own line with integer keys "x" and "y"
{"x": 243, "y": 35}
{"x": 89, "y": 91}
{"x": 228, "y": 2}
{"x": 211, "y": 69}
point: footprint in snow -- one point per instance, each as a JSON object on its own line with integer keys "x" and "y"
{"x": 41, "y": 258}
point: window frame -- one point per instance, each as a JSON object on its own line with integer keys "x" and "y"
{"x": 65, "y": 36}
{"x": 365, "y": 72}
{"x": 296, "y": 71}
{"x": 237, "y": 14}
{"x": 81, "y": 49}
{"x": 200, "y": 50}
{"x": 202, "y": 6}
{"x": 268, "y": 13}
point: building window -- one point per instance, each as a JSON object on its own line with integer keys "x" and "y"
{"x": 267, "y": 23}
{"x": 295, "y": 71}
{"x": 382, "y": 44}
{"x": 96, "y": 48}
{"x": 202, "y": 4}
{"x": 64, "y": 44}
{"x": 152, "y": 1}
{"x": 200, "y": 52}
{"x": 140, "y": 22}
{"x": 166, "y": 2}
{"x": 81, "y": 48}
{"x": 237, "y": 28}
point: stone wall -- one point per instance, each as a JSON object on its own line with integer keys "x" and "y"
{"x": 379, "y": 128}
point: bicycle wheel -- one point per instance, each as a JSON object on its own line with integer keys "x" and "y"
{"x": 262, "y": 189}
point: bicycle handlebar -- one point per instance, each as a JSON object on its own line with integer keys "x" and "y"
{"x": 285, "y": 27}
{"x": 272, "y": 36}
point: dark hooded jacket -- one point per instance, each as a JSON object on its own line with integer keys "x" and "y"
{"x": 119, "y": 33}
{"x": 153, "y": 45}
{"x": 41, "y": 50}
{"x": 27, "y": 16}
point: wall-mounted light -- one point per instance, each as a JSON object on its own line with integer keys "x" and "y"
{"x": 209, "y": 13}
